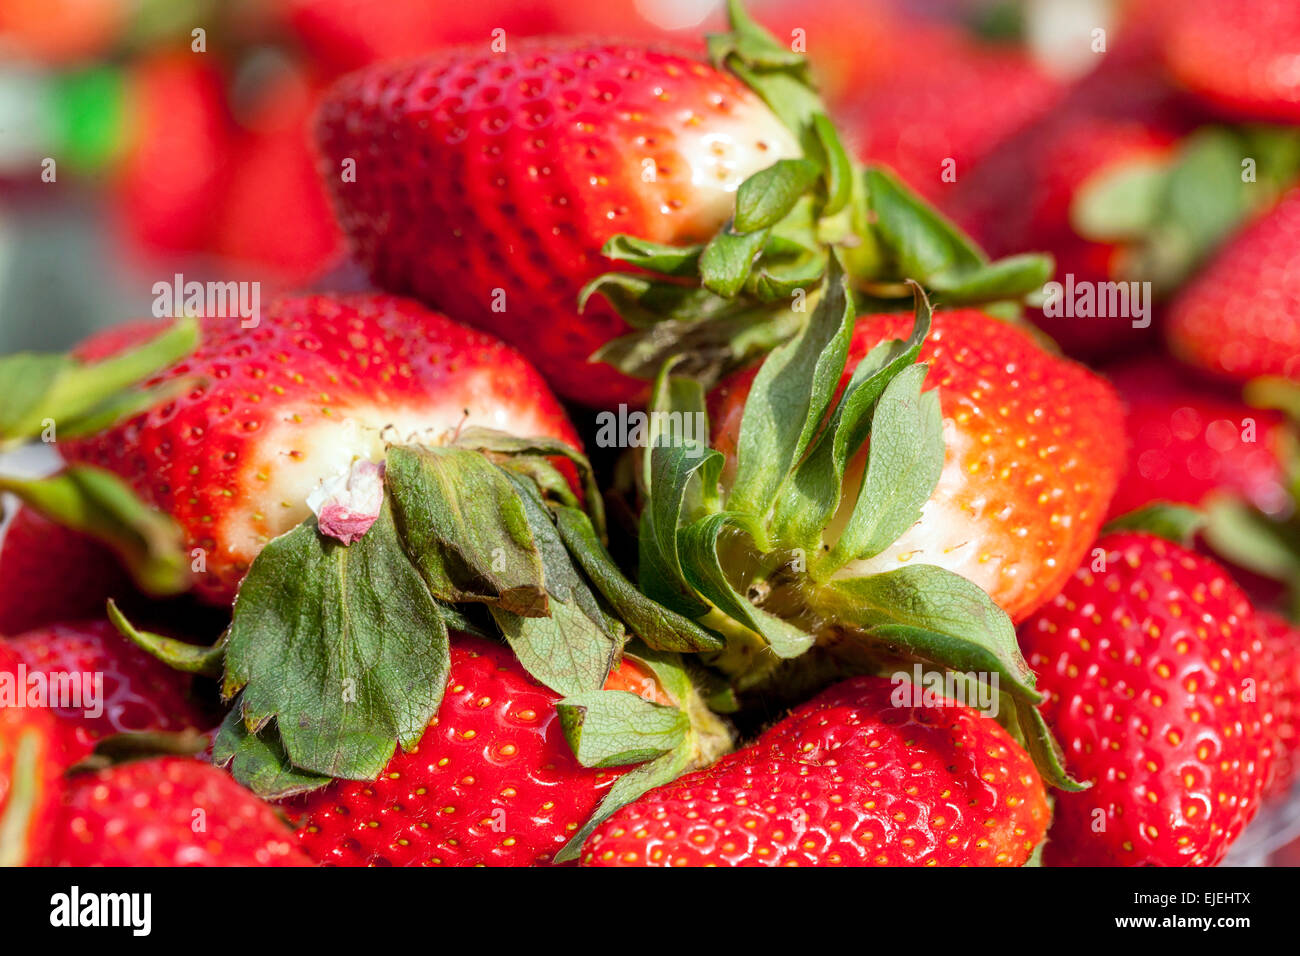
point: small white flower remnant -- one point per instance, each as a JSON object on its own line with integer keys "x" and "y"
{"x": 347, "y": 503}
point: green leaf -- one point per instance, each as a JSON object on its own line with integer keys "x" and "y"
{"x": 923, "y": 243}
{"x": 503, "y": 444}
{"x": 768, "y": 196}
{"x": 711, "y": 346}
{"x": 343, "y": 646}
{"x": 1043, "y": 748}
{"x": 259, "y": 761}
{"x": 655, "y": 624}
{"x": 754, "y": 44}
{"x": 704, "y": 569}
{"x": 465, "y": 527}
{"x": 566, "y": 650}
{"x": 563, "y": 580}
{"x": 673, "y": 469}
{"x": 1011, "y": 278}
{"x": 654, "y": 257}
{"x": 904, "y": 461}
{"x": 611, "y": 728}
{"x": 727, "y": 260}
{"x": 64, "y": 390}
{"x": 99, "y": 504}
{"x": 814, "y": 492}
{"x": 644, "y": 302}
{"x": 934, "y": 616}
{"x": 178, "y": 655}
{"x": 1175, "y": 522}
{"x": 628, "y": 787}
{"x": 789, "y": 399}
{"x": 1122, "y": 203}
{"x": 839, "y": 167}
{"x": 1242, "y": 535}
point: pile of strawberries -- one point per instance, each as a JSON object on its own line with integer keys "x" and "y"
{"x": 869, "y": 570}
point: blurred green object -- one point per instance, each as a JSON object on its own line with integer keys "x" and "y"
{"x": 90, "y": 117}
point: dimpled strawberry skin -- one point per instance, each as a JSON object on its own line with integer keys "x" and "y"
{"x": 1034, "y": 449}
{"x": 848, "y": 779}
{"x": 169, "y": 811}
{"x": 1151, "y": 669}
{"x": 492, "y": 781}
{"x": 487, "y": 184}
{"x": 280, "y": 406}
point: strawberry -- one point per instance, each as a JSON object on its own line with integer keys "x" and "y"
{"x": 1238, "y": 56}
{"x": 1152, "y": 665}
{"x": 137, "y": 692}
{"x": 274, "y": 213}
{"x": 176, "y": 107}
{"x": 1239, "y": 318}
{"x": 168, "y": 811}
{"x": 947, "y": 103}
{"x": 560, "y": 158}
{"x": 319, "y": 382}
{"x": 1281, "y": 662}
{"x": 33, "y": 756}
{"x": 491, "y": 782}
{"x": 1029, "y": 467}
{"x": 544, "y": 152}
{"x": 35, "y": 553}
{"x": 851, "y": 778}
{"x": 1022, "y": 197}
{"x": 1187, "y": 444}
{"x": 346, "y": 34}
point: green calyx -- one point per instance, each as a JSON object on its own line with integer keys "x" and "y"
{"x": 762, "y": 549}
{"x": 337, "y": 653}
{"x": 746, "y": 290}
{"x": 50, "y": 396}
{"x": 1168, "y": 213}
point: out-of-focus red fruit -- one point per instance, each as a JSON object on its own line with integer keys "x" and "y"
{"x": 167, "y": 187}
{"x": 1240, "y": 318}
{"x": 1242, "y": 57}
{"x": 274, "y": 213}
{"x": 1187, "y": 443}
{"x": 60, "y": 31}
{"x": 50, "y": 573}
{"x": 944, "y": 106}
{"x": 1281, "y": 664}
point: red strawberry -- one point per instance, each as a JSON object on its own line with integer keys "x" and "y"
{"x": 320, "y": 382}
{"x": 493, "y": 781}
{"x": 347, "y": 34}
{"x": 49, "y": 573}
{"x": 1186, "y": 444}
{"x": 850, "y": 778}
{"x": 168, "y": 811}
{"x": 946, "y": 104}
{"x": 540, "y": 155}
{"x": 137, "y": 692}
{"x": 1239, "y": 55}
{"x": 1031, "y": 459}
{"x": 274, "y": 212}
{"x": 1281, "y": 662}
{"x": 178, "y": 109}
{"x": 1240, "y": 318}
{"x": 1022, "y": 196}
{"x": 33, "y": 756}
{"x": 1151, "y": 661}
